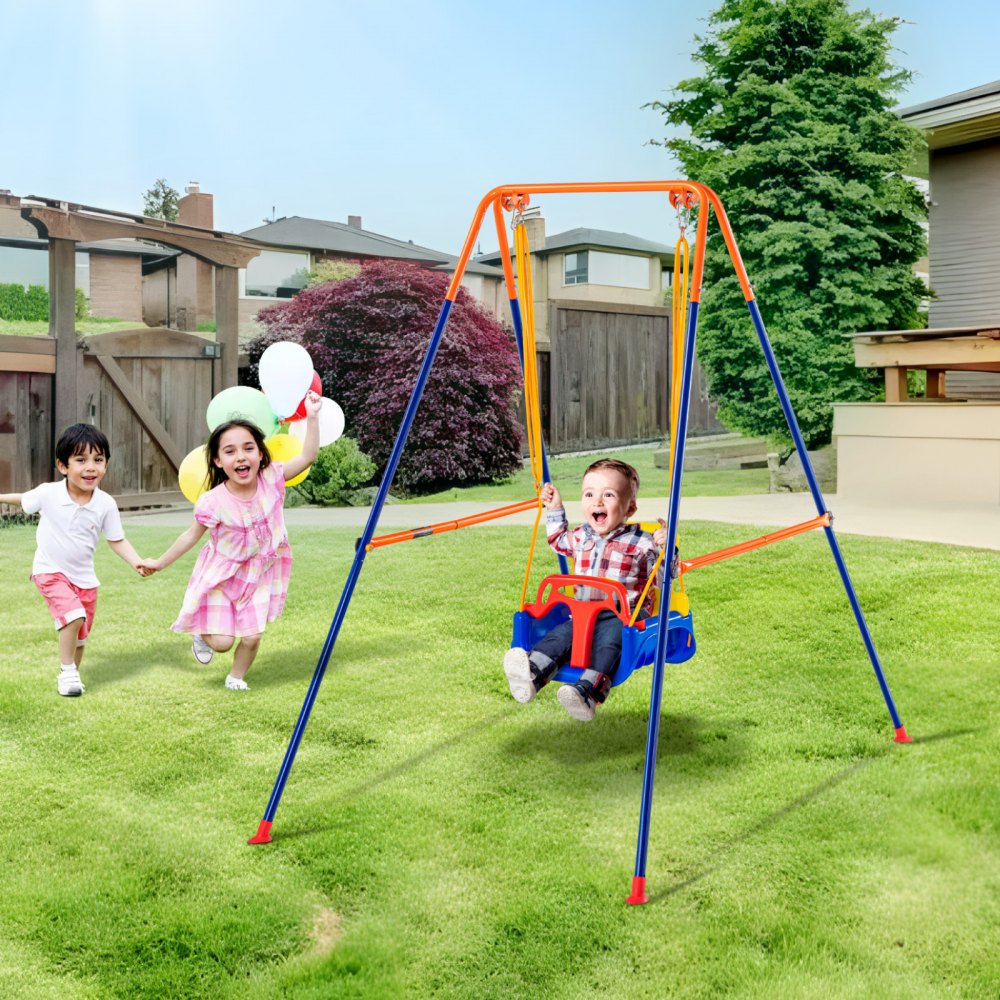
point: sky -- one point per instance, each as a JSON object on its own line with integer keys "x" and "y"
{"x": 405, "y": 113}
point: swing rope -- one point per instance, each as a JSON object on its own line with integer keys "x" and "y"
{"x": 522, "y": 261}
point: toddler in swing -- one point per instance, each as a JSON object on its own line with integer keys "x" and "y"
{"x": 605, "y": 546}
{"x": 240, "y": 578}
{"x": 75, "y": 512}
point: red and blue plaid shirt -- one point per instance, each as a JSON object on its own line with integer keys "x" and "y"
{"x": 627, "y": 555}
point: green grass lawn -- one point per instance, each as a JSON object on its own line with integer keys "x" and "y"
{"x": 437, "y": 839}
{"x": 567, "y": 472}
{"x": 40, "y": 328}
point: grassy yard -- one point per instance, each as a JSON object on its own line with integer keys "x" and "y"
{"x": 438, "y": 840}
{"x": 567, "y": 472}
{"x": 40, "y": 328}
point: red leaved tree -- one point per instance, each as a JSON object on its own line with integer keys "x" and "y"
{"x": 367, "y": 337}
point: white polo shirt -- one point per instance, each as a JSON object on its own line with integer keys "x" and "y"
{"x": 68, "y": 532}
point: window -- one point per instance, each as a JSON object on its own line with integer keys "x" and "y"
{"x": 575, "y": 268}
{"x": 598, "y": 267}
{"x": 276, "y": 273}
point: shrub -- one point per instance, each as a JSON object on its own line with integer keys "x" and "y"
{"x": 339, "y": 469}
{"x": 331, "y": 270}
{"x": 18, "y": 302}
{"x": 80, "y": 309}
{"x": 367, "y": 337}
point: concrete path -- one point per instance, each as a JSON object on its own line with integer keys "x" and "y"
{"x": 976, "y": 525}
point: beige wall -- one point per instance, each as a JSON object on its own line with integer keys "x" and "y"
{"x": 116, "y": 286}
{"x": 918, "y": 452}
{"x": 548, "y": 284}
{"x": 491, "y": 293}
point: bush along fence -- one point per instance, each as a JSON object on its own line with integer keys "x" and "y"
{"x": 31, "y": 302}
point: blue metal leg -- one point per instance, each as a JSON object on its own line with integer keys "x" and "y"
{"x": 263, "y": 834}
{"x": 800, "y": 447}
{"x": 656, "y": 691}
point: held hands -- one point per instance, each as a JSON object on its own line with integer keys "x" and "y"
{"x": 660, "y": 535}
{"x": 147, "y": 567}
{"x": 551, "y": 500}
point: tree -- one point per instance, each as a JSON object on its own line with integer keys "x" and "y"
{"x": 367, "y": 336}
{"x": 792, "y": 125}
{"x": 160, "y": 201}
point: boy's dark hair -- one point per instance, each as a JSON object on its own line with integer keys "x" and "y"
{"x": 622, "y": 468}
{"x": 78, "y": 439}
{"x": 215, "y": 475}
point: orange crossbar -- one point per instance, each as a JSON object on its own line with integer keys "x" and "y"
{"x": 823, "y": 521}
{"x": 460, "y": 522}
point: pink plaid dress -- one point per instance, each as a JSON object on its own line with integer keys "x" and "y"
{"x": 241, "y": 575}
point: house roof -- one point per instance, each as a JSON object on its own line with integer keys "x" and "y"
{"x": 597, "y": 238}
{"x": 968, "y": 116}
{"x": 119, "y": 246}
{"x": 336, "y": 237}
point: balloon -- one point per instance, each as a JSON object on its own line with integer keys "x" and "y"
{"x": 283, "y": 448}
{"x": 315, "y": 386}
{"x": 331, "y": 423}
{"x": 240, "y": 402}
{"x": 192, "y": 476}
{"x": 285, "y": 371}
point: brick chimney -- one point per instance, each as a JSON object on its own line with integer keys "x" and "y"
{"x": 534, "y": 227}
{"x": 196, "y": 208}
{"x": 195, "y": 278}
{"x": 354, "y": 221}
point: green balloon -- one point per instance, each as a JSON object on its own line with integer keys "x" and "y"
{"x": 240, "y": 402}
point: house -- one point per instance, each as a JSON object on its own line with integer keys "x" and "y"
{"x": 295, "y": 245}
{"x": 602, "y": 327}
{"x": 946, "y": 444}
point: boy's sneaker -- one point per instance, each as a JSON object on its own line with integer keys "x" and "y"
{"x": 203, "y": 652}
{"x": 577, "y": 702}
{"x": 236, "y": 684}
{"x": 517, "y": 667}
{"x": 69, "y": 684}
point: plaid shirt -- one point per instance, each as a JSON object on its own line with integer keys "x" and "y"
{"x": 627, "y": 555}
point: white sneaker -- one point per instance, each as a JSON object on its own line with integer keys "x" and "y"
{"x": 576, "y": 702}
{"x": 517, "y": 667}
{"x": 68, "y": 683}
{"x": 203, "y": 652}
{"x": 236, "y": 684}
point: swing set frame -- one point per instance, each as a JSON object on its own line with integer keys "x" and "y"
{"x": 688, "y": 197}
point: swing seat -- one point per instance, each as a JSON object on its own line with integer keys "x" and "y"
{"x": 552, "y": 607}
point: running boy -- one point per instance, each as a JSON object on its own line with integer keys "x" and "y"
{"x": 604, "y": 545}
{"x": 75, "y": 512}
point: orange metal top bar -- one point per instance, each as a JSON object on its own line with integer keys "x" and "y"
{"x": 705, "y": 196}
{"x": 460, "y": 522}
{"x": 822, "y": 521}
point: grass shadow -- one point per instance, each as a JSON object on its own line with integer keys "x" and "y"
{"x": 720, "y": 855}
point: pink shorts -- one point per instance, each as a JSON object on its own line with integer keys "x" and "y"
{"x": 67, "y": 602}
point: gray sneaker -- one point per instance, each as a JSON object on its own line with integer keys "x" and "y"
{"x": 203, "y": 652}
{"x": 578, "y": 704}
{"x": 517, "y": 667}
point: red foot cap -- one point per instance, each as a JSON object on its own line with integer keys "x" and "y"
{"x": 263, "y": 834}
{"x": 902, "y": 736}
{"x": 638, "y": 891}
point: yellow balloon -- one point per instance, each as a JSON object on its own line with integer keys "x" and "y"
{"x": 283, "y": 448}
{"x": 192, "y": 476}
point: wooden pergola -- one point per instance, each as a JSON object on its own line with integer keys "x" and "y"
{"x": 935, "y": 351}
{"x": 65, "y": 224}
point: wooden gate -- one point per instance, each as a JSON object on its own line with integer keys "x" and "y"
{"x": 147, "y": 389}
{"x": 609, "y": 378}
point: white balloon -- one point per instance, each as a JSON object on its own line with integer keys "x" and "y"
{"x": 331, "y": 423}
{"x": 286, "y": 372}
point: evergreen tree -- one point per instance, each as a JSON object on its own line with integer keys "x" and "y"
{"x": 792, "y": 125}
{"x": 160, "y": 201}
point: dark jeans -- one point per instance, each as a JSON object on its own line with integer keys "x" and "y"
{"x": 554, "y": 648}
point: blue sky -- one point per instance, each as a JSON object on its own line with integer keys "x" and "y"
{"x": 403, "y": 113}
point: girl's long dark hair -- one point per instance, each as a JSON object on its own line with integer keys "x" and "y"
{"x": 215, "y": 475}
